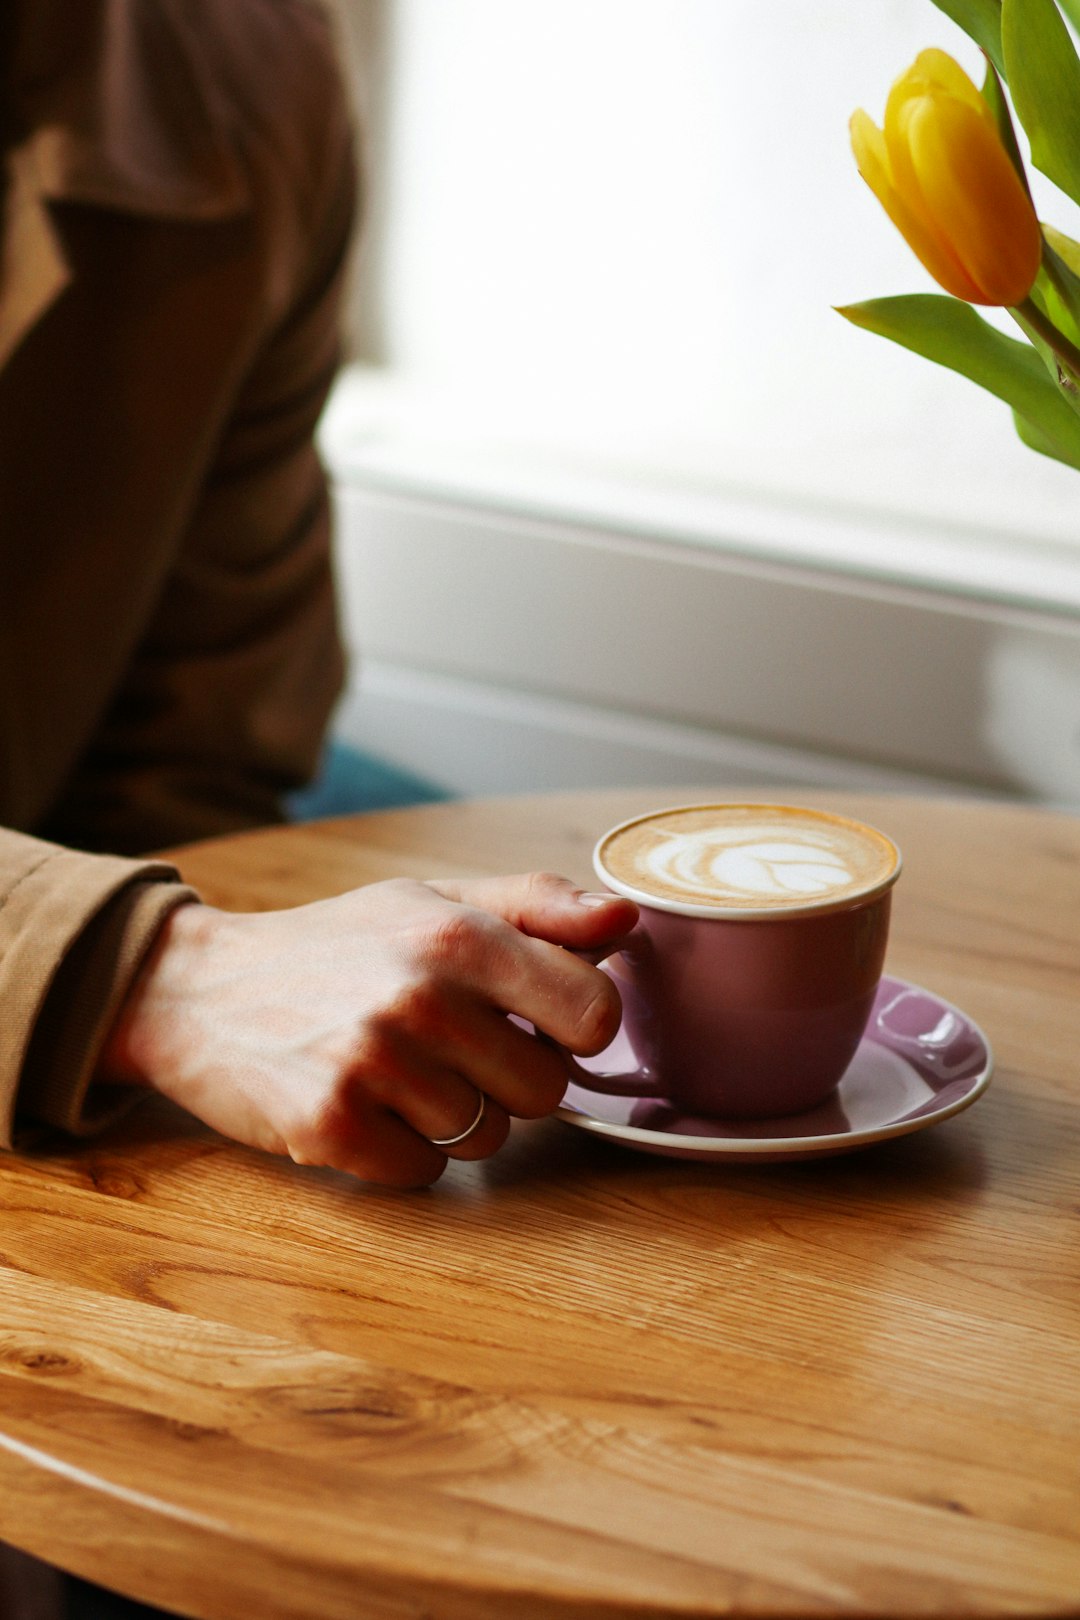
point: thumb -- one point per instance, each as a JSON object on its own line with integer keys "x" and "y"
{"x": 546, "y": 906}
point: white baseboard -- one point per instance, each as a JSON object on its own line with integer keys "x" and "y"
{"x": 507, "y": 652}
{"x": 471, "y": 738}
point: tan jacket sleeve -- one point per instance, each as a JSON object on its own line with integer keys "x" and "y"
{"x": 74, "y": 930}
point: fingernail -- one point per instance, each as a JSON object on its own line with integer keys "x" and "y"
{"x": 593, "y": 900}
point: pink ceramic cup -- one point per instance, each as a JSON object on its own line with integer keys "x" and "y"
{"x": 743, "y": 1012}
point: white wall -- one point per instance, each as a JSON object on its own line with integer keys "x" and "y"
{"x": 621, "y": 226}
{"x": 607, "y": 236}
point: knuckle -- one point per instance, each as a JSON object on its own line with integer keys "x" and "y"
{"x": 470, "y": 947}
{"x": 542, "y": 885}
{"x": 367, "y": 1069}
{"x": 412, "y": 1008}
{"x": 458, "y": 936}
{"x": 321, "y": 1134}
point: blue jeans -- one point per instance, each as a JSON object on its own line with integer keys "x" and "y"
{"x": 350, "y": 780}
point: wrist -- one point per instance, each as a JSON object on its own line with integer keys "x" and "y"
{"x": 127, "y": 1055}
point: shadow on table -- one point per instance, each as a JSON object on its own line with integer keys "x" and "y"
{"x": 944, "y": 1164}
{"x": 938, "y": 1165}
{"x": 32, "y": 1590}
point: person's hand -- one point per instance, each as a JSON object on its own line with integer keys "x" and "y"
{"x": 350, "y": 1032}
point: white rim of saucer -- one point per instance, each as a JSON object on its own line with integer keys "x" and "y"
{"x": 697, "y": 908}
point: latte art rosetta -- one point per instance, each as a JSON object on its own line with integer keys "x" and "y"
{"x": 717, "y": 863}
{"x": 748, "y": 857}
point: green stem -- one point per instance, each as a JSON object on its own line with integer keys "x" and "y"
{"x": 1066, "y": 352}
{"x": 1063, "y": 280}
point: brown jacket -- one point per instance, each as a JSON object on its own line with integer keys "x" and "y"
{"x": 179, "y": 200}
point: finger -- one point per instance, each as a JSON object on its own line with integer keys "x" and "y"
{"x": 508, "y": 1064}
{"x": 546, "y": 906}
{"x": 479, "y": 953}
{"x": 369, "y": 1141}
{"x": 431, "y": 1054}
{"x": 564, "y": 997}
{"x": 431, "y": 1095}
{"x": 439, "y": 1104}
{"x": 487, "y": 1138}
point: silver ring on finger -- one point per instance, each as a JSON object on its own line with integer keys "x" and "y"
{"x": 462, "y": 1136}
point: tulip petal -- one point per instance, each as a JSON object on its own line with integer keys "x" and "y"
{"x": 932, "y": 78}
{"x": 872, "y": 158}
{"x": 923, "y": 86}
{"x": 935, "y": 72}
{"x": 868, "y": 145}
{"x": 974, "y": 197}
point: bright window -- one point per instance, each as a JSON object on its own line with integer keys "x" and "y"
{"x": 606, "y": 239}
{"x": 600, "y": 383}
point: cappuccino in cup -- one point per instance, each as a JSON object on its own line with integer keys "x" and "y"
{"x": 746, "y": 858}
{"x": 749, "y": 980}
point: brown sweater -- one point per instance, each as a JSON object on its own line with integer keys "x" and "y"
{"x": 179, "y": 200}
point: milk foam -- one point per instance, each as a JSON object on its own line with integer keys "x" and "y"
{"x": 715, "y": 865}
{"x": 742, "y": 857}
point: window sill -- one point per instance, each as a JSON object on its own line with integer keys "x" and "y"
{"x": 893, "y": 513}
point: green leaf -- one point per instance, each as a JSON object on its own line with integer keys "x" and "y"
{"x": 981, "y": 21}
{"x": 994, "y": 96}
{"x": 1071, "y": 8}
{"x": 1065, "y": 249}
{"x": 1036, "y": 440}
{"x": 950, "y": 333}
{"x": 1044, "y": 77}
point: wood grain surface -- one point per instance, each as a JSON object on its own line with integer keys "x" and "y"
{"x": 574, "y": 1380}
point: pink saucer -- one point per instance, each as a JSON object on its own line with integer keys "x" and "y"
{"x": 920, "y": 1061}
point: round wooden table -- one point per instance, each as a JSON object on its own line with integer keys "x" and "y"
{"x": 577, "y": 1380}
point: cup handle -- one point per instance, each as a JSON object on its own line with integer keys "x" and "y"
{"x": 641, "y": 1081}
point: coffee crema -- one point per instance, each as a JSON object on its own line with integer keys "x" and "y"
{"x": 748, "y": 857}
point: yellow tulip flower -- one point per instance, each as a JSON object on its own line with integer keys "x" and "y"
{"x": 945, "y": 180}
